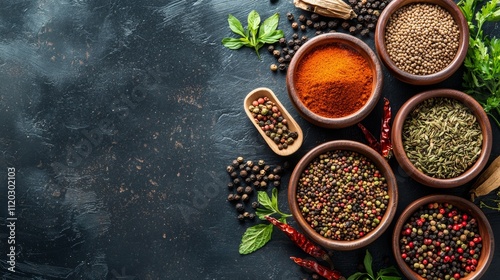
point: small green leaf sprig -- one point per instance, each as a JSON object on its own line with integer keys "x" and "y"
{"x": 256, "y": 34}
{"x": 257, "y": 236}
{"x": 481, "y": 78}
{"x": 389, "y": 273}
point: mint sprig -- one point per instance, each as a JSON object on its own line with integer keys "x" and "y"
{"x": 388, "y": 273}
{"x": 257, "y": 236}
{"x": 256, "y": 34}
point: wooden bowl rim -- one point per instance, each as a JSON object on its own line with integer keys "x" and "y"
{"x": 434, "y": 78}
{"x": 353, "y": 43}
{"x": 485, "y": 231}
{"x": 381, "y": 164}
{"x": 292, "y": 124}
{"x": 409, "y": 168}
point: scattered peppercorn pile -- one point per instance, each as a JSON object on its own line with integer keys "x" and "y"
{"x": 246, "y": 178}
{"x": 440, "y": 241}
{"x": 342, "y": 195}
{"x": 368, "y": 12}
{"x": 422, "y": 38}
{"x": 269, "y": 118}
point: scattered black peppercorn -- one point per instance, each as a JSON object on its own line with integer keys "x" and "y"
{"x": 282, "y": 67}
{"x": 289, "y": 16}
{"x": 240, "y": 189}
{"x": 295, "y": 25}
{"x": 315, "y": 17}
{"x": 255, "y": 204}
{"x": 240, "y": 208}
{"x": 302, "y": 18}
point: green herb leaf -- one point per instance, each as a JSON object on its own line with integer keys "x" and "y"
{"x": 253, "y": 22}
{"x": 368, "y": 263}
{"x": 255, "y": 237}
{"x": 263, "y": 212}
{"x": 274, "y": 199}
{"x": 256, "y": 35}
{"x": 388, "y": 270}
{"x": 269, "y": 25}
{"x": 232, "y": 43}
{"x": 235, "y": 25}
{"x": 264, "y": 200}
{"x": 389, "y": 278}
{"x": 357, "y": 275}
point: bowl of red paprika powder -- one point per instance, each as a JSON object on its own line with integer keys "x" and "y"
{"x": 334, "y": 80}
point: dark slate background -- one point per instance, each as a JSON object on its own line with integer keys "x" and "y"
{"x": 120, "y": 118}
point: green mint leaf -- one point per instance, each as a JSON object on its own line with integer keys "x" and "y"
{"x": 389, "y": 278}
{"x": 368, "y": 263}
{"x": 387, "y": 271}
{"x": 273, "y": 37}
{"x": 262, "y": 213}
{"x": 255, "y": 238}
{"x": 253, "y": 22}
{"x": 232, "y": 43}
{"x": 269, "y": 25}
{"x": 235, "y": 26}
{"x": 357, "y": 275}
{"x": 274, "y": 198}
{"x": 264, "y": 200}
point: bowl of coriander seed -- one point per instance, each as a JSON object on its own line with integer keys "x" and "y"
{"x": 442, "y": 138}
{"x": 422, "y": 42}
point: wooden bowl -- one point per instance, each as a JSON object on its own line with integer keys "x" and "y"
{"x": 292, "y": 124}
{"x": 434, "y": 78}
{"x": 347, "y": 41}
{"x": 410, "y": 169}
{"x": 382, "y": 166}
{"x": 464, "y": 205}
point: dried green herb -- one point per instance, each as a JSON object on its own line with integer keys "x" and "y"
{"x": 256, "y": 34}
{"x": 442, "y": 138}
{"x": 481, "y": 77}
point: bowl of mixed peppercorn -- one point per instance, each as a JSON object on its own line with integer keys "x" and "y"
{"x": 442, "y": 138}
{"x": 343, "y": 194}
{"x": 422, "y": 42}
{"x": 443, "y": 237}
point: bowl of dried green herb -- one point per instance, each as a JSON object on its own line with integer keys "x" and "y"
{"x": 442, "y": 138}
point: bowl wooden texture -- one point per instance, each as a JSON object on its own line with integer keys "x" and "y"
{"x": 292, "y": 124}
{"x": 383, "y": 167}
{"x": 434, "y": 78}
{"x": 466, "y": 206}
{"x": 410, "y": 169}
{"x": 348, "y": 41}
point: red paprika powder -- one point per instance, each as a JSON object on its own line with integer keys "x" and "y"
{"x": 334, "y": 81}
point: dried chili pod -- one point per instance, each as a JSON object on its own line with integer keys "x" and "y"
{"x": 319, "y": 269}
{"x": 372, "y": 141}
{"x": 301, "y": 240}
{"x": 385, "y": 131}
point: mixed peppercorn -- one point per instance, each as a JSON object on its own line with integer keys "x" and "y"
{"x": 440, "y": 241}
{"x": 342, "y": 195}
{"x": 269, "y": 118}
{"x": 246, "y": 178}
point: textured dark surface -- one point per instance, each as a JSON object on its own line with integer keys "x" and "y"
{"x": 120, "y": 118}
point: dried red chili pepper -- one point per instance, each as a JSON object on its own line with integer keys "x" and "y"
{"x": 384, "y": 147}
{"x": 300, "y": 240}
{"x": 372, "y": 141}
{"x": 319, "y": 269}
{"x": 385, "y": 132}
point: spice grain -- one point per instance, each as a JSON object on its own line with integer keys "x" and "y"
{"x": 342, "y": 195}
{"x": 442, "y": 138}
{"x": 421, "y": 38}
